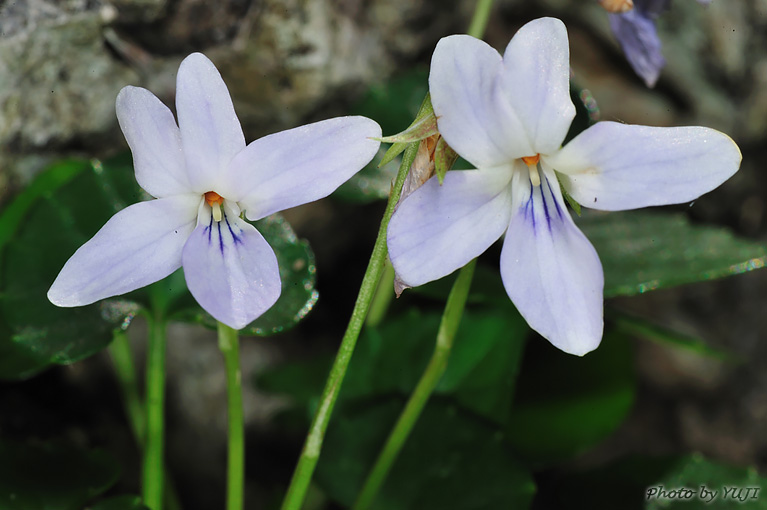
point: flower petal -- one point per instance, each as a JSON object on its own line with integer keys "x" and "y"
{"x": 536, "y": 83}
{"x": 210, "y": 131}
{"x": 300, "y": 165}
{"x": 231, "y": 271}
{"x": 154, "y": 140}
{"x": 439, "y": 229}
{"x": 614, "y": 167}
{"x": 637, "y": 35}
{"x": 137, "y": 246}
{"x": 472, "y": 114}
{"x": 550, "y": 270}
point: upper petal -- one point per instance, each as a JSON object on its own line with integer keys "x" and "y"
{"x": 137, "y": 246}
{"x": 231, "y": 271}
{"x": 536, "y": 83}
{"x": 300, "y": 165}
{"x": 210, "y": 131}
{"x": 154, "y": 140}
{"x": 438, "y": 229}
{"x": 472, "y": 114}
{"x": 613, "y": 166}
{"x": 550, "y": 270}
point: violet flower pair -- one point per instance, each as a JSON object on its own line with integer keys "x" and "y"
{"x": 506, "y": 115}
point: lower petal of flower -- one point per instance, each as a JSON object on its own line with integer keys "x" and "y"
{"x": 550, "y": 270}
{"x": 231, "y": 270}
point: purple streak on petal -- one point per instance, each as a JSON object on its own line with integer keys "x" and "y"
{"x": 635, "y": 30}
{"x": 235, "y": 282}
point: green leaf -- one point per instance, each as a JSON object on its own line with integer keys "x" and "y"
{"x": 125, "y": 502}
{"x": 643, "y": 251}
{"x": 297, "y": 272}
{"x": 642, "y": 328}
{"x": 480, "y": 373}
{"x": 44, "y": 185}
{"x": 734, "y": 487}
{"x": 451, "y": 460}
{"x": 52, "y": 477}
{"x": 565, "y": 404}
{"x": 78, "y": 200}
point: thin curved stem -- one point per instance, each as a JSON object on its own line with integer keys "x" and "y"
{"x": 311, "y": 451}
{"x": 382, "y": 297}
{"x": 448, "y": 327}
{"x": 480, "y": 18}
{"x": 228, "y": 342}
{"x": 153, "y": 476}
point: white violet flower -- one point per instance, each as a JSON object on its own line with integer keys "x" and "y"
{"x": 508, "y": 116}
{"x": 203, "y": 177}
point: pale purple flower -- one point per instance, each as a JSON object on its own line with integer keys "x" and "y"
{"x": 638, "y": 37}
{"x": 508, "y": 116}
{"x": 203, "y": 177}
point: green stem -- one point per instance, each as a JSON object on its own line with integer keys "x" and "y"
{"x": 228, "y": 342}
{"x": 451, "y": 318}
{"x": 125, "y": 369}
{"x": 155, "y": 423}
{"x": 479, "y": 20}
{"x": 311, "y": 452}
{"x": 382, "y": 297}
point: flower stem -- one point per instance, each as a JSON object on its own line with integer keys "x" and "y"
{"x": 451, "y": 318}
{"x": 311, "y": 452}
{"x": 155, "y": 423}
{"x": 125, "y": 370}
{"x": 228, "y": 342}
{"x": 479, "y": 20}
{"x": 382, "y": 297}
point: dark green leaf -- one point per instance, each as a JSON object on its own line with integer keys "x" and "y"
{"x": 451, "y": 460}
{"x": 52, "y": 477}
{"x": 298, "y": 275}
{"x": 565, "y": 404}
{"x": 37, "y": 333}
{"x": 126, "y": 502}
{"x": 642, "y": 328}
{"x": 480, "y": 373}
{"x": 43, "y": 186}
{"x": 643, "y": 251}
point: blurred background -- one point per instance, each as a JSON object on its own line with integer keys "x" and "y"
{"x": 288, "y": 62}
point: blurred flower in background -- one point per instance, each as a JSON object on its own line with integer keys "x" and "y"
{"x": 633, "y": 24}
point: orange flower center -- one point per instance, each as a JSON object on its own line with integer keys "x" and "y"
{"x": 213, "y": 198}
{"x": 531, "y": 160}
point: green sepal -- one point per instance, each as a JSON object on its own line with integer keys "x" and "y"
{"x": 421, "y": 124}
{"x": 444, "y": 157}
{"x": 570, "y": 200}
